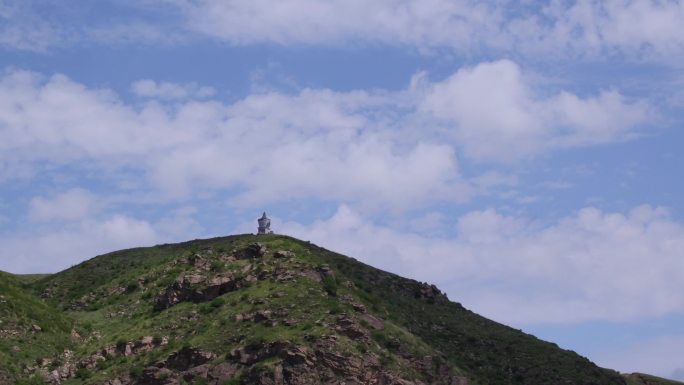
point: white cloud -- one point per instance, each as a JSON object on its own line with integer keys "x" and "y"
{"x": 642, "y": 28}
{"x": 639, "y": 29}
{"x": 270, "y": 147}
{"x": 497, "y": 115}
{"x": 589, "y": 266}
{"x": 52, "y": 251}
{"x": 84, "y": 232}
{"x": 20, "y": 28}
{"x": 376, "y": 149}
{"x": 166, "y": 90}
{"x": 74, "y": 204}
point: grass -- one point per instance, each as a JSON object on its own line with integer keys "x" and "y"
{"x": 32, "y": 328}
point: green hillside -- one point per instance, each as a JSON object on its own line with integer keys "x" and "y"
{"x": 29, "y": 328}
{"x": 264, "y": 309}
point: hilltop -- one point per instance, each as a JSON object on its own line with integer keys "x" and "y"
{"x": 267, "y": 309}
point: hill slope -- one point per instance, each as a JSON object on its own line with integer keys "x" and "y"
{"x": 281, "y": 311}
{"x": 29, "y": 328}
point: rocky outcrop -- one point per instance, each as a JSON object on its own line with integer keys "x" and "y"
{"x": 68, "y": 367}
{"x": 350, "y": 328}
{"x": 253, "y": 250}
{"x": 185, "y": 366}
{"x": 195, "y": 287}
{"x": 431, "y": 294}
{"x": 299, "y": 365}
{"x": 187, "y": 358}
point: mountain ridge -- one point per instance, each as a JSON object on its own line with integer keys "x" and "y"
{"x": 271, "y": 309}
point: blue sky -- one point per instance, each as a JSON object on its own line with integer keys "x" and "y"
{"x": 523, "y": 156}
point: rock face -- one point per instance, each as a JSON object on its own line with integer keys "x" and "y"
{"x": 299, "y": 365}
{"x": 195, "y": 288}
{"x": 253, "y": 250}
{"x": 68, "y": 367}
{"x": 431, "y": 294}
{"x": 198, "y": 285}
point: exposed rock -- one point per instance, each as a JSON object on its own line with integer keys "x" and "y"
{"x": 195, "y": 287}
{"x": 187, "y": 358}
{"x": 158, "y": 376}
{"x": 325, "y": 270}
{"x": 248, "y": 355}
{"x": 312, "y": 274}
{"x": 199, "y": 262}
{"x": 223, "y": 372}
{"x": 253, "y": 250}
{"x": 257, "y": 316}
{"x": 350, "y": 328}
{"x": 431, "y": 294}
{"x": 75, "y": 337}
{"x": 282, "y": 274}
{"x": 283, "y": 254}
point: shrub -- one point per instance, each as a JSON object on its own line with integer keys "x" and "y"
{"x": 136, "y": 372}
{"x": 218, "y": 302}
{"x": 131, "y": 287}
{"x": 83, "y": 374}
{"x": 330, "y": 286}
{"x": 335, "y": 309}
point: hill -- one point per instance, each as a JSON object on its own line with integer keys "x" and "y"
{"x": 265, "y": 309}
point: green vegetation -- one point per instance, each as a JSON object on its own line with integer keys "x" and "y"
{"x": 109, "y": 301}
{"x": 29, "y": 327}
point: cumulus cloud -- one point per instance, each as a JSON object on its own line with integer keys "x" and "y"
{"x": 378, "y": 149}
{"x": 592, "y": 265}
{"x": 167, "y": 90}
{"x": 317, "y": 143}
{"x": 497, "y": 115}
{"x": 86, "y": 229}
{"x": 52, "y": 251}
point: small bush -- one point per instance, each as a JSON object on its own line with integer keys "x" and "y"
{"x": 136, "y": 372}
{"x": 206, "y": 309}
{"x": 218, "y": 302}
{"x": 131, "y": 287}
{"x": 335, "y": 309}
{"x": 330, "y": 286}
{"x": 83, "y": 374}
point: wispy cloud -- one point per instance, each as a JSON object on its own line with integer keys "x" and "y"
{"x": 167, "y": 90}
{"x": 641, "y": 29}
